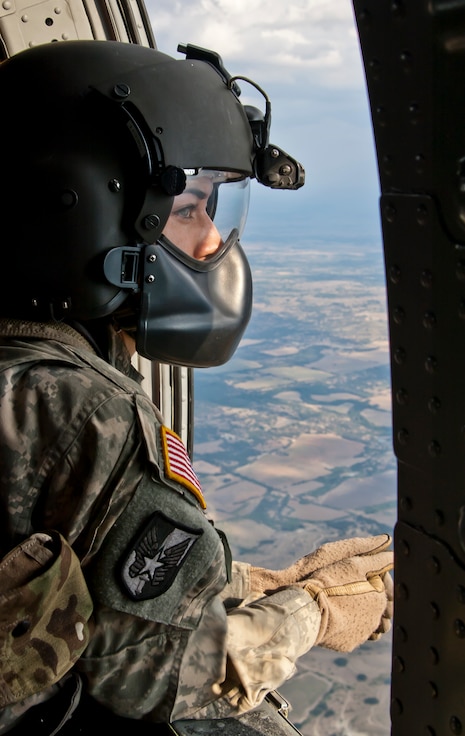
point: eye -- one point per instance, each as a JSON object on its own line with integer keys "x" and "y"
{"x": 185, "y": 213}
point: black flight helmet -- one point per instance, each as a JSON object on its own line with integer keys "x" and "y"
{"x": 104, "y": 144}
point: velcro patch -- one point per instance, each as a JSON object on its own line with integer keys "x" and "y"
{"x": 156, "y": 556}
{"x": 178, "y": 466}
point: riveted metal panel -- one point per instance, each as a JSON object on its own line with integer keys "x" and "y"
{"x": 414, "y": 58}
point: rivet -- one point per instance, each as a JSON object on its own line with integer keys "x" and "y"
{"x": 400, "y": 634}
{"x": 406, "y": 503}
{"x": 364, "y": 17}
{"x": 422, "y": 214}
{"x": 434, "y": 448}
{"x": 398, "y": 315}
{"x": 404, "y": 547}
{"x": 394, "y": 274}
{"x": 274, "y": 153}
{"x": 434, "y": 656}
{"x": 433, "y": 689}
{"x": 429, "y": 320}
{"x": 386, "y": 163}
{"x": 6, "y": 4}
{"x": 152, "y": 258}
{"x": 398, "y": 664}
{"x": 459, "y": 628}
{"x": 24, "y": 18}
{"x": 373, "y": 67}
{"x": 431, "y": 364}
{"x": 434, "y": 404}
{"x": 402, "y": 397}
{"x": 429, "y": 731}
{"x": 460, "y": 270}
{"x": 455, "y": 725}
{"x": 434, "y": 565}
{"x": 419, "y": 163}
{"x": 426, "y": 279}
{"x": 401, "y": 591}
{"x": 396, "y": 707}
{"x": 460, "y": 594}
{"x": 414, "y": 111}
{"x": 406, "y": 59}
{"x": 390, "y": 212}
{"x": 397, "y": 7}
{"x": 150, "y": 279}
{"x": 403, "y": 436}
{"x": 434, "y": 608}
{"x": 400, "y": 356}
{"x": 381, "y": 115}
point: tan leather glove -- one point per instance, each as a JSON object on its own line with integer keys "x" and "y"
{"x": 353, "y": 598}
{"x": 354, "y": 591}
{"x": 267, "y": 581}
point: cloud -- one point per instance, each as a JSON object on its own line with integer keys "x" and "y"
{"x": 277, "y": 38}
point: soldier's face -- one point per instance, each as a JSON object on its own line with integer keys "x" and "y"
{"x": 189, "y": 226}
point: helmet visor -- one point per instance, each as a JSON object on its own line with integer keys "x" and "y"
{"x": 213, "y": 205}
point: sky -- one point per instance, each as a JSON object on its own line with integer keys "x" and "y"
{"x": 305, "y": 54}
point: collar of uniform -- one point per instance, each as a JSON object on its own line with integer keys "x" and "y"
{"x": 119, "y": 356}
{"x": 59, "y": 331}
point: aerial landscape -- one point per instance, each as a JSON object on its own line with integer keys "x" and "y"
{"x": 293, "y": 447}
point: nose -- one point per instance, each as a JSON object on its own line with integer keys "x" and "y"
{"x": 209, "y": 240}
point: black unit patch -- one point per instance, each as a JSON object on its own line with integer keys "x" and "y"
{"x": 156, "y": 556}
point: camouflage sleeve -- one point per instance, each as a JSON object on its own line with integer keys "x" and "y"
{"x": 239, "y": 586}
{"x": 265, "y": 637}
{"x": 224, "y": 667}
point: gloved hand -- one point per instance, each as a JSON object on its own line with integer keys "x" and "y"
{"x": 350, "y": 581}
{"x": 266, "y": 581}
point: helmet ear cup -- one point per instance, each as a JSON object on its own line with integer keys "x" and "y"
{"x": 77, "y": 196}
{"x": 69, "y": 201}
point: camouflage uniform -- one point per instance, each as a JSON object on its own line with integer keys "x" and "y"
{"x": 84, "y": 452}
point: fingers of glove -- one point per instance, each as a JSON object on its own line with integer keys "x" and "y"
{"x": 347, "y": 622}
{"x": 385, "y": 541}
{"x": 363, "y": 549}
{"x": 332, "y": 552}
{"x": 352, "y": 576}
{"x": 389, "y": 588}
{"x": 383, "y": 628}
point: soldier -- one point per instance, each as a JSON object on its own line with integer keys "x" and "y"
{"x": 125, "y": 178}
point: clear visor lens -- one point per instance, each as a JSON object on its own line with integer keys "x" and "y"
{"x": 213, "y": 204}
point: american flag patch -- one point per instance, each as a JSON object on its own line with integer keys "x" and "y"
{"x": 178, "y": 465}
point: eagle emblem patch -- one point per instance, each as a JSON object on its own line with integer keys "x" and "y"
{"x": 156, "y": 556}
